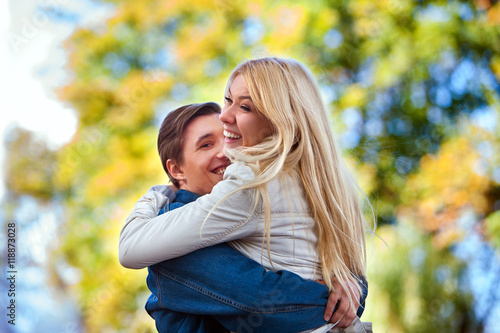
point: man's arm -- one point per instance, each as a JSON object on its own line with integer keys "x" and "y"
{"x": 238, "y": 292}
{"x": 338, "y": 309}
{"x": 262, "y": 294}
{"x": 221, "y": 282}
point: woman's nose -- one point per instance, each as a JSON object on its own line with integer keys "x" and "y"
{"x": 226, "y": 116}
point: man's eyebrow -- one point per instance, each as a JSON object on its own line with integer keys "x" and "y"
{"x": 203, "y": 137}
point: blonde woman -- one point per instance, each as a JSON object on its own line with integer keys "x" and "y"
{"x": 287, "y": 201}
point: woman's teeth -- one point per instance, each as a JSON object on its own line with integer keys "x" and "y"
{"x": 231, "y": 135}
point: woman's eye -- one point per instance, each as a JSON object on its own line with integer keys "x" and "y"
{"x": 228, "y": 100}
{"x": 246, "y": 108}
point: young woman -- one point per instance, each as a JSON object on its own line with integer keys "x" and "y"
{"x": 287, "y": 201}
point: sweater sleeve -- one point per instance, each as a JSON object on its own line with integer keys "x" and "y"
{"x": 147, "y": 239}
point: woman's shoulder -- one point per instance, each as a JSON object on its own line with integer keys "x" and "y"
{"x": 239, "y": 170}
{"x": 287, "y": 192}
{"x": 236, "y": 176}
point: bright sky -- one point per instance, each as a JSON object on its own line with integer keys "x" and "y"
{"x": 32, "y": 65}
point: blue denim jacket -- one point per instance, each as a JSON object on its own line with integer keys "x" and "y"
{"x": 216, "y": 289}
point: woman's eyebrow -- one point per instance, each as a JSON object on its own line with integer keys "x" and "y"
{"x": 239, "y": 97}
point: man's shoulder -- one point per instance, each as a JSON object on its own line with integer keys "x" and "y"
{"x": 183, "y": 197}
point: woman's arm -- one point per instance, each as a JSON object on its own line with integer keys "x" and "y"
{"x": 147, "y": 239}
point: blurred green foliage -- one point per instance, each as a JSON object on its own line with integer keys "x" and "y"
{"x": 414, "y": 92}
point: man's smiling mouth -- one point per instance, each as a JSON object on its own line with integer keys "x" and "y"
{"x": 220, "y": 169}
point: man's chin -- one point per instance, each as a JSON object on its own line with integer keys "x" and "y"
{"x": 217, "y": 178}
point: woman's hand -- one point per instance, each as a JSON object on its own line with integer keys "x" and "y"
{"x": 338, "y": 309}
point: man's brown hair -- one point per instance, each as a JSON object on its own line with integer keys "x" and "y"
{"x": 171, "y": 134}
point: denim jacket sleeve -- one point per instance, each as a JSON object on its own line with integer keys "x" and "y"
{"x": 147, "y": 239}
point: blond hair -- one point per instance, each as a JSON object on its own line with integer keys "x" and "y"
{"x": 287, "y": 94}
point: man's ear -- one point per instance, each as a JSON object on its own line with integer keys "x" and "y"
{"x": 175, "y": 170}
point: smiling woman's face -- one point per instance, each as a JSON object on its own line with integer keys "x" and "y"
{"x": 243, "y": 124}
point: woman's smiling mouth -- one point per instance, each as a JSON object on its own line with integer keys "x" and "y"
{"x": 231, "y": 136}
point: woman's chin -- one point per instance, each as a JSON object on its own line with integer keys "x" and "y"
{"x": 231, "y": 143}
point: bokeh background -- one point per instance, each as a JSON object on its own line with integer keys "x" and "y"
{"x": 414, "y": 93}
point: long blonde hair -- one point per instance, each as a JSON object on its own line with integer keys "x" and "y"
{"x": 287, "y": 94}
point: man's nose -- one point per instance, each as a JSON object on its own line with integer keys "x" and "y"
{"x": 220, "y": 155}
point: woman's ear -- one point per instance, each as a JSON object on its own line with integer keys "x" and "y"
{"x": 175, "y": 170}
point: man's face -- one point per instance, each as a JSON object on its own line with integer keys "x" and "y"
{"x": 203, "y": 163}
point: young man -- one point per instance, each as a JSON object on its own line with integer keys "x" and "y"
{"x": 216, "y": 289}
